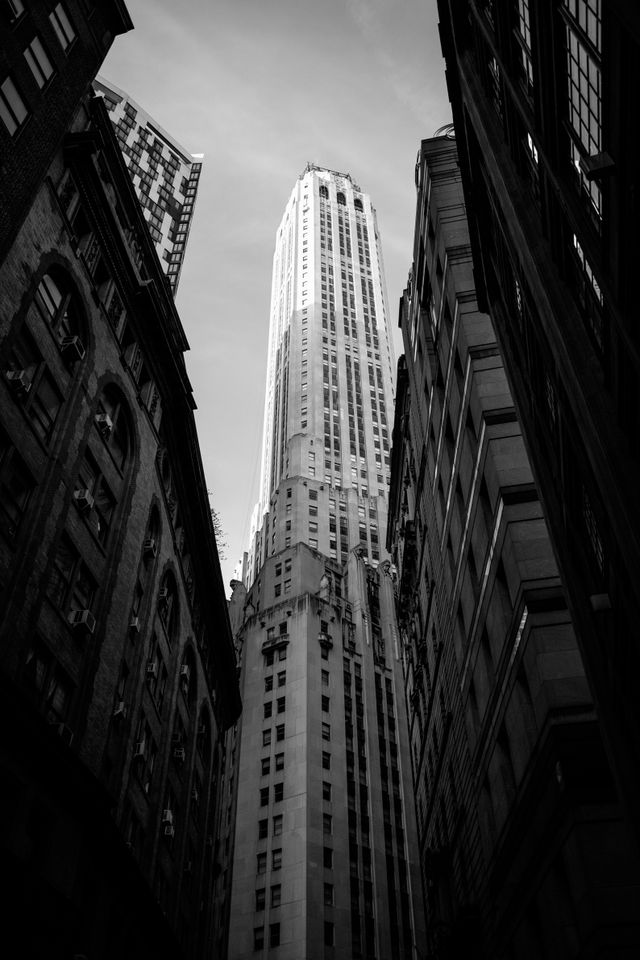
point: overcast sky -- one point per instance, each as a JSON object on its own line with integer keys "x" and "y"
{"x": 261, "y": 87}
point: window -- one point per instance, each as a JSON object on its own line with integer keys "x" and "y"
{"x": 264, "y": 796}
{"x": 326, "y": 731}
{"x": 277, "y": 825}
{"x": 261, "y": 863}
{"x": 276, "y": 859}
{"x": 328, "y": 894}
{"x": 268, "y": 709}
{"x": 281, "y": 701}
{"x": 325, "y": 704}
{"x": 328, "y": 933}
{"x": 71, "y": 586}
{"x": 276, "y": 895}
{"x": 327, "y": 823}
{"x": 263, "y": 829}
{"x": 326, "y": 760}
{"x": 62, "y": 26}
{"x": 277, "y": 590}
{"x": 325, "y": 678}
{"x": 326, "y": 790}
{"x": 279, "y": 760}
{"x": 266, "y": 738}
{"x": 15, "y": 488}
{"x": 93, "y": 492}
{"x": 111, "y": 421}
{"x": 265, "y": 764}
{"x": 327, "y": 858}
{"x": 13, "y": 111}
{"x": 278, "y": 792}
{"x": 47, "y": 683}
{"x": 268, "y": 659}
{"x": 260, "y": 899}
{"x": 274, "y": 934}
{"x": 39, "y": 63}
{"x": 258, "y": 938}
{"x": 280, "y": 732}
{"x": 33, "y": 386}
{"x": 282, "y": 678}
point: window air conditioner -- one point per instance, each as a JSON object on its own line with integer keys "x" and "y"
{"x": 120, "y": 710}
{"x": 140, "y": 749}
{"x": 19, "y": 382}
{"x": 104, "y": 423}
{"x": 152, "y": 669}
{"x": 169, "y": 830}
{"x": 134, "y": 624}
{"x": 82, "y": 620}
{"x": 84, "y": 500}
{"x": 179, "y": 754}
{"x": 167, "y": 815}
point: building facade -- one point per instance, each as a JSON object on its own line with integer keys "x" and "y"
{"x": 523, "y": 846}
{"x": 543, "y": 99}
{"x": 164, "y": 174}
{"x": 118, "y": 672}
{"x": 324, "y": 853}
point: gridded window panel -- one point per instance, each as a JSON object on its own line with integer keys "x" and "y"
{"x": 38, "y": 60}
{"x": 62, "y": 25}
{"x": 276, "y": 895}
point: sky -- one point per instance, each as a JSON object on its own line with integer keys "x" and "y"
{"x": 261, "y": 87}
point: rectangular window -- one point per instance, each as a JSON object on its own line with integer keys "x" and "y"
{"x": 261, "y": 863}
{"x": 263, "y": 829}
{"x": 281, "y": 704}
{"x": 62, "y": 26}
{"x": 278, "y": 792}
{"x": 327, "y": 858}
{"x": 279, "y": 760}
{"x": 326, "y": 790}
{"x": 268, "y": 709}
{"x": 265, "y": 763}
{"x": 325, "y": 678}
{"x": 15, "y": 489}
{"x": 258, "y": 938}
{"x": 274, "y": 934}
{"x": 268, "y": 684}
{"x": 328, "y": 894}
{"x": 276, "y": 859}
{"x": 277, "y": 825}
{"x": 282, "y": 678}
{"x": 13, "y": 111}
{"x": 276, "y": 895}
{"x": 264, "y": 796}
{"x": 280, "y": 732}
{"x": 325, "y": 704}
{"x": 39, "y": 63}
{"x": 326, "y": 731}
{"x": 327, "y": 823}
{"x": 261, "y": 899}
{"x": 266, "y": 738}
{"x": 326, "y": 760}
{"x": 328, "y": 933}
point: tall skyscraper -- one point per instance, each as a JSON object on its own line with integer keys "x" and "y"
{"x": 164, "y": 174}
{"x": 325, "y": 831}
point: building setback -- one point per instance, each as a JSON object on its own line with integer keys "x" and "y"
{"x": 544, "y": 104}
{"x": 324, "y": 854}
{"x": 523, "y": 847}
{"x": 117, "y": 672}
{"x": 164, "y": 174}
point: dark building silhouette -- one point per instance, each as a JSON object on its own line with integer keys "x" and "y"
{"x": 544, "y": 100}
{"x": 523, "y": 846}
{"x": 117, "y": 671}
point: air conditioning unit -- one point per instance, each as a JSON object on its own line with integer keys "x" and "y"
{"x": 179, "y": 754}
{"x": 140, "y": 749}
{"x": 104, "y": 423}
{"x": 149, "y": 547}
{"x": 163, "y": 594}
{"x": 167, "y": 815}
{"x": 169, "y": 830}
{"x": 82, "y": 620}
{"x": 19, "y": 382}
{"x": 84, "y": 500}
{"x": 176, "y": 739}
{"x": 64, "y": 732}
{"x": 195, "y": 796}
{"x": 120, "y": 710}
{"x": 185, "y": 674}
{"x": 152, "y": 669}
{"x": 72, "y": 349}
{"x": 134, "y": 625}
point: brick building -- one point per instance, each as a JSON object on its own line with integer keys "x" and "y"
{"x": 544, "y": 99}
{"x": 523, "y": 848}
{"x": 117, "y": 672}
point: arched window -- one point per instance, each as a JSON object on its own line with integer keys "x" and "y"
{"x": 203, "y": 740}
{"x": 323, "y": 191}
{"x": 341, "y": 199}
{"x": 168, "y": 605}
{"x": 112, "y": 423}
